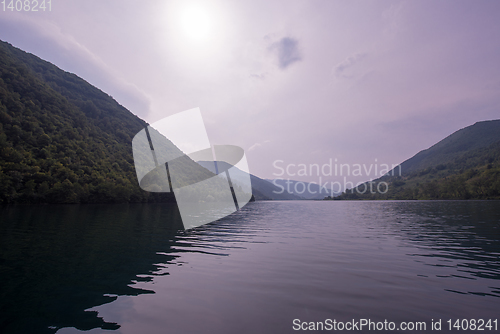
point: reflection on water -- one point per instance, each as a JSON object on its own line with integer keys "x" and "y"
{"x": 460, "y": 238}
{"x": 128, "y": 268}
{"x": 58, "y": 261}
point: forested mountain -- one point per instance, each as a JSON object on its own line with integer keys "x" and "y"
{"x": 63, "y": 140}
{"x": 455, "y": 150}
{"x": 464, "y": 165}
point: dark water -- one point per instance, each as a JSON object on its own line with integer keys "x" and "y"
{"x": 126, "y": 268}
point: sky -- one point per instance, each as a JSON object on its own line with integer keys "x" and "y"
{"x": 368, "y": 83}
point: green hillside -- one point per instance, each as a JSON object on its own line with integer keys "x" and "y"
{"x": 455, "y": 149}
{"x": 63, "y": 140}
{"x": 464, "y": 165}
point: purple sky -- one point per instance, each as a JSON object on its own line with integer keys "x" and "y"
{"x": 297, "y": 81}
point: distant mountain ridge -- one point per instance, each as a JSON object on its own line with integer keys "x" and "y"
{"x": 305, "y": 190}
{"x": 262, "y": 189}
{"x": 464, "y": 165}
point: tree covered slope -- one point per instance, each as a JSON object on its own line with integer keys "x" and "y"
{"x": 464, "y": 165}
{"x": 455, "y": 149}
{"x": 63, "y": 140}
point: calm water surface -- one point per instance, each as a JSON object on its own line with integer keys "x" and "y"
{"x": 127, "y": 269}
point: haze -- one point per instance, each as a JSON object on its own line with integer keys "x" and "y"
{"x": 302, "y": 82}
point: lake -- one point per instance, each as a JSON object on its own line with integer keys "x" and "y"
{"x": 272, "y": 267}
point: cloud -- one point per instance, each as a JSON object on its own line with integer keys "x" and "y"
{"x": 47, "y": 40}
{"x": 260, "y": 76}
{"x": 339, "y": 69}
{"x": 287, "y": 51}
{"x": 254, "y": 146}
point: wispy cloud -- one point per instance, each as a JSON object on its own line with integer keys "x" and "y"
{"x": 48, "y": 41}
{"x": 254, "y": 146}
{"x": 260, "y": 76}
{"x": 287, "y": 51}
{"x": 340, "y": 68}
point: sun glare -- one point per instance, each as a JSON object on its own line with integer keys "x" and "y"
{"x": 196, "y": 23}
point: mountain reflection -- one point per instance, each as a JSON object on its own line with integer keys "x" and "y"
{"x": 58, "y": 261}
{"x": 403, "y": 260}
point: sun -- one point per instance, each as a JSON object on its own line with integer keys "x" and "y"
{"x": 196, "y": 23}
